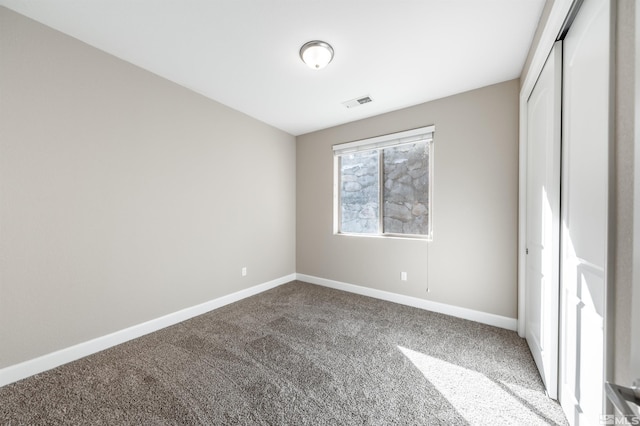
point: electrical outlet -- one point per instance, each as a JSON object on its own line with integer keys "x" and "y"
{"x": 403, "y": 276}
{"x": 244, "y": 271}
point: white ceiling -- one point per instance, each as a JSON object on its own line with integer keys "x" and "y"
{"x": 244, "y": 53}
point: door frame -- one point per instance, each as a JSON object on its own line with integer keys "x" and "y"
{"x": 635, "y": 316}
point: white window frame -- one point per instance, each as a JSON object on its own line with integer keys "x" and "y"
{"x": 421, "y": 134}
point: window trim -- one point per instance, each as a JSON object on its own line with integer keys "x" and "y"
{"x": 421, "y": 134}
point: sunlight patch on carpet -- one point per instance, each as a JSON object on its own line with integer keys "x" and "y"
{"x": 474, "y": 396}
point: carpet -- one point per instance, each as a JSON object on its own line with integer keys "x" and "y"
{"x": 298, "y": 354}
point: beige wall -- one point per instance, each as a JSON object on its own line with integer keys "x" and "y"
{"x": 124, "y": 197}
{"x": 471, "y": 261}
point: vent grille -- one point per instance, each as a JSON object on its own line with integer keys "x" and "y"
{"x": 361, "y": 100}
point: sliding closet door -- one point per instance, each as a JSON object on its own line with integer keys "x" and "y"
{"x": 585, "y": 211}
{"x": 543, "y": 219}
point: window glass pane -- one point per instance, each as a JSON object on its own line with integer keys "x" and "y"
{"x": 406, "y": 189}
{"x": 359, "y": 192}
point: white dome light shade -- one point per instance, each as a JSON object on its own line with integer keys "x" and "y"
{"x": 316, "y": 54}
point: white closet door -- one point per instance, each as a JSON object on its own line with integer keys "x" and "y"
{"x": 543, "y": 219}
{"x": 585, "y": 211}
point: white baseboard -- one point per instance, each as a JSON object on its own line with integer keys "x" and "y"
{"x": 455, "y": 311}
{"x": 46, "y": 362}
{"x": 43, "y": 363}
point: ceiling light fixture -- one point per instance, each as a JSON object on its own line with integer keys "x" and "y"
{"x": 316, "y": 54}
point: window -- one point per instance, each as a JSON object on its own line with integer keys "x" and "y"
{"x": 393, "y": 171}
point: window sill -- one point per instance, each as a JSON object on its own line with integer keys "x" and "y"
{"x": 426, "y": 238}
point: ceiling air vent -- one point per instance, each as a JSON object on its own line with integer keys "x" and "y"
{"x": 357, "y": 101}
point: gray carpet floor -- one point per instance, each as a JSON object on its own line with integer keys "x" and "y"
{"x": 298, "y": 354}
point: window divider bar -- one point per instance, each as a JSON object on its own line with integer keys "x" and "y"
{"x": 381, "y": 192}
